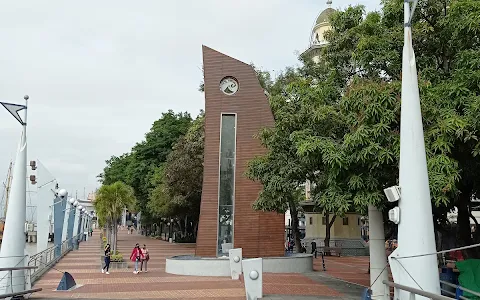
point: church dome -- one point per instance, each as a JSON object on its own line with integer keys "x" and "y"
{"x": 323, "y": 17}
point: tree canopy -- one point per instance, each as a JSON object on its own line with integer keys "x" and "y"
{"x": 109, "y": 204}
{"x": 178, "y": 184}
{"x": 337, "y": 121}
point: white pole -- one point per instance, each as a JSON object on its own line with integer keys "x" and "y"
{"x": 378, "y": 256}
{"x": 75, "y": 225}
{"x": 68, "y": 210}
{"x": 415, "y": 230}
{"x": 82, "y": 225}
{"x": 13, "y": 244}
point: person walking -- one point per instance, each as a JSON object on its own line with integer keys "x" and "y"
{"x": 314, "y": 248}
{"x": 145, "y": 258}
{"x": 107, "y": 259}
{"x": 136, "y": 257}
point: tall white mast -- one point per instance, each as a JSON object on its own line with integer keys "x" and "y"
{"x": 415, "y": 229}
{"x": 13, "y": 243}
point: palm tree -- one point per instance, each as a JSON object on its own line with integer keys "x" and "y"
{"x": 109, "y": 204}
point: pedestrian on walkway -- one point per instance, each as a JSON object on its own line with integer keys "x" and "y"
{"x": 107, "y": 259}
{"x": 314, "y": 248}
{"x": 144, "y": 259}
{"x": 136, "y": 257}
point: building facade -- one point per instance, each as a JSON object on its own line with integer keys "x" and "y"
{"x": 317, "y": 35}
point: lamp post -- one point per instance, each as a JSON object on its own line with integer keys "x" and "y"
{"x": 415, "y": 228}
{"x": 13, "y": 242}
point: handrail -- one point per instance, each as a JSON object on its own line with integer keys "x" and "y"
{"x": 17, "y": 268}
{"x": 415, "y": 291}
{"x": 45, "y": 259}
{"x": 4, "y": 296}
{"x": 460, "y": 288}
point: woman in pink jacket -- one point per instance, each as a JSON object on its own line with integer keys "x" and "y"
{"x": 136, "y": 257}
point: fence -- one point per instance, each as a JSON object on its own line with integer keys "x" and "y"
{"x": 9, "y": 280}
{"x": 45, "y": 259}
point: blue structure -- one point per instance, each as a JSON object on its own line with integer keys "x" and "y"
{"x": 66, "y": 283}
{"x": 58, "y": 219}
{"x": 80, "y": 224}
{"x": 71, "y": 221}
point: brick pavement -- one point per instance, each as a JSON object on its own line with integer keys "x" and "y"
{"x": 85, "y": 265}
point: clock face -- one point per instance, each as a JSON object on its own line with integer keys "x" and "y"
{"x": 229, "y": 85}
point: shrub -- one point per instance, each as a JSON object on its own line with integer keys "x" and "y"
{"x": 116, "y": 258}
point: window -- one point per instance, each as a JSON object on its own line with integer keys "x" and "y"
{"x": 324, "y": 221}
{"x": 226, "y": 192}
{"x": 310, "y": 220}
{"x": 345, "y": 221}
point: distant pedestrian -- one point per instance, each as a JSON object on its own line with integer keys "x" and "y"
{"x": 136, "y": 257}
{"x": 314, "y": 248}
{"x": 145, "y": 258}
{"x": 107, "y": 259}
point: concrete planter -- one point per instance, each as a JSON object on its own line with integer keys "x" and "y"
{"x": 201, "y": 266}
{"x": 114, "y": 264}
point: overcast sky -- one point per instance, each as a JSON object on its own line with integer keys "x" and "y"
{"x": 100, "y": 72}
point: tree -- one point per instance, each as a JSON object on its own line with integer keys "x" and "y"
{"x": 280, "y": 171}
{"x": 138, "y": 167}
{"x": 364, "y": 62}
{"x": 344, "y": 117}
{"x": 109, "y": 204}
{"x": 178, "y": 188}
{"x": 115, "y": 170}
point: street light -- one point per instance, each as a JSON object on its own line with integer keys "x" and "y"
{"x": 62, "y": 193}
{"x": 414, "y": 214}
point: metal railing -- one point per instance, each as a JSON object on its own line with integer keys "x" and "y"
{"x": 459, "y": 290}
{"x": 7, "y": 282}
{"x": 458, "y": 294}
{"x": 413, "y": 292}
{"x": 44, "y": 260}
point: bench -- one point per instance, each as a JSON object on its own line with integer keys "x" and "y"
{"x": 331, "y": 251}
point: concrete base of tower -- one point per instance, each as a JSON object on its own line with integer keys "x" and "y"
{"x": 201, "y": 266}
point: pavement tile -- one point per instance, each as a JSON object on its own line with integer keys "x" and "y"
{"x": 85, "y": 265}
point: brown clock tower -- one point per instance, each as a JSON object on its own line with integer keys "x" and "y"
{"x": 236, "y": 108}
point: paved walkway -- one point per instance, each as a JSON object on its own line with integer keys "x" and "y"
{"x": 85, "y": 265}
